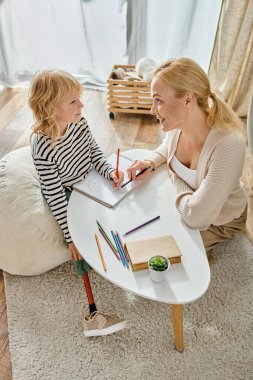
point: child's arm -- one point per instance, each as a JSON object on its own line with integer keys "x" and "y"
{"x": 54, "y": 192}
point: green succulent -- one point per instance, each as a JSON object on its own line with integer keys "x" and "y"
{"x": 158, "y": 263}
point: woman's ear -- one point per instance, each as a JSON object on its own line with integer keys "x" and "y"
{"x": 189, "y": 98}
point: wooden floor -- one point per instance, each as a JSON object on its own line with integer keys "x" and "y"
{"x": 124, "y": 132}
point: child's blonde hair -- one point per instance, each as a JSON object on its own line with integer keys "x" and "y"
{"x": 47, "y": 92}
{"x": 185, "y": 75}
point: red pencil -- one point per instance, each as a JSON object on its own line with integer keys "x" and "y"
{"x": 117, "y": 164}
{"x": 109, "y": 243}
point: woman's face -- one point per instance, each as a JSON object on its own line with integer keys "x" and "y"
{"x": 169, "y": 110}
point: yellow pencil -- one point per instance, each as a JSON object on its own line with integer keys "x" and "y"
{"x": 100, "y": 252}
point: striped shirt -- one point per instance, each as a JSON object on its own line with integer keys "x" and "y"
{"x": 65, "y": 164}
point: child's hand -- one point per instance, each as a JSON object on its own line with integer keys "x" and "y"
{"x": 75, "y": 255}
{"x": 117, "y": 181}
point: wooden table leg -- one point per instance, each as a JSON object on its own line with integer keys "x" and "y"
{"x": 177, "y": 316}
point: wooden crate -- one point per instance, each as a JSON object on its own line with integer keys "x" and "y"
{"x": 127, "y": 95}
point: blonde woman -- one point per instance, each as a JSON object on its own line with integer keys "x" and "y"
{"x": 204, "y": 150}
{"x": 64, "y": 151}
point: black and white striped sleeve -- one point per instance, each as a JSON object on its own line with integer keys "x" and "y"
{"x": 54, "y": 192}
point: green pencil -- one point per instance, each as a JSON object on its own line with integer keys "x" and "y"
{"x": 99, "y": 225}
{"x": 109, "y": 243}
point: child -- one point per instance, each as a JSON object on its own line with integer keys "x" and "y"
{"x": 64, "y": 151}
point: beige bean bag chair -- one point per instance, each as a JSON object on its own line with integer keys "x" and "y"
{"x": 31, "y": 241}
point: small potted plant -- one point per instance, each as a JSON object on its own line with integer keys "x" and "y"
{"x": 158, "y": 265}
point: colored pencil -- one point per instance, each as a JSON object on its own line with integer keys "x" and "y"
{"x": 120, "y": 240}
{"x": 109, "y": 240}
{"x": 109, "y": 243}
{"x": 137, "y": 175}
{"x": 130, "y": 262}
{"x": 117, "y": 164}
{"x": 141, "y": 225}
{"x": 121, "y": 250}
{"x": 100, "y": 252}
{"x": 114, "y": 238}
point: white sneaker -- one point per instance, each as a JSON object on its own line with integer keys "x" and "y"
{"x": 98, "y": 324}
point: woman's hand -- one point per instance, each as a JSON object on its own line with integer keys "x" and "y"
{"x": 117, "y": 181}
{"x": 74, "y": 254}
{"x": 137, "y": 166}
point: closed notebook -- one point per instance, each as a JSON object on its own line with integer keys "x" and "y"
{"x": 142, "y": 250}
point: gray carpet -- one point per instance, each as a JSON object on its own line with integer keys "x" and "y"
{"x": 45, "y": 327}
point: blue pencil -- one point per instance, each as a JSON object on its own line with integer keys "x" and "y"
{"x": 119, "y": 248}
{"x": 122, "y": 246}
{"x": 122, "y": 249}
{"x": 114, "y": 238}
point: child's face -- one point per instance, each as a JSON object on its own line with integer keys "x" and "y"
{"x": 69, "y": 111}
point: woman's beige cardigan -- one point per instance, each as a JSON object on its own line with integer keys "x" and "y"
{"x": 219, "y": 196}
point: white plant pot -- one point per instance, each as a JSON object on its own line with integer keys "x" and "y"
{"x": 158, "y": 276}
